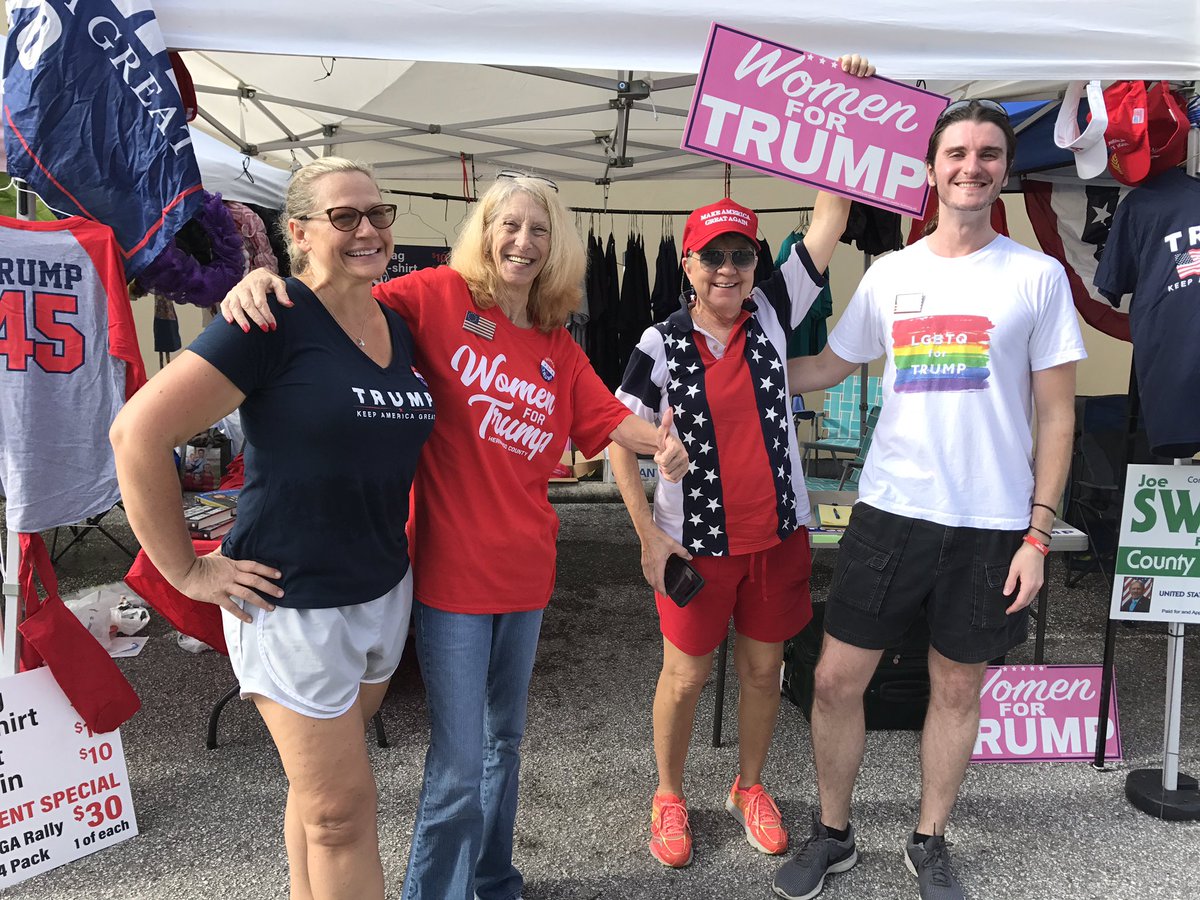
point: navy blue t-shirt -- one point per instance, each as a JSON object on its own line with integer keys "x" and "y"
{"x": 1153, "y": 252}
{"x": 332, "y": 441}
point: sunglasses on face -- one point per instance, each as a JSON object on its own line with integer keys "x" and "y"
{"x": 712, "y": 260}
{"x": 514, "y": 174}
{"x": 963, "y": 104}
{"x": 346, "y": 218}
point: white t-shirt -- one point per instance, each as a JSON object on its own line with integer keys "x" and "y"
{"x": 954, "y": 442}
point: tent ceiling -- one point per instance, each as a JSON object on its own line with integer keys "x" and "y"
{"x": 534, "y": 87}
{"x": 931, "y": 39}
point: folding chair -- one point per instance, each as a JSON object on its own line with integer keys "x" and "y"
{"x": 80, "y": 530}
{"x": 851, "y": 468}
{"x": 1093, "y": 497}
{"x": 838, "y": 428}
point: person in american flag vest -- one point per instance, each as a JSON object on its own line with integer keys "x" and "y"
{"x": 739, "y": 514}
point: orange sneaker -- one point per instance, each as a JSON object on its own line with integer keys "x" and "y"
{"x": 757, "y": 813}
{"x": 670, "y": 836}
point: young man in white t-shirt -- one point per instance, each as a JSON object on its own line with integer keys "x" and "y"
{"x": 955, "y": 507}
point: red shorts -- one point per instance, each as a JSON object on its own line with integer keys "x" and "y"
{"x": 766, "y": 593}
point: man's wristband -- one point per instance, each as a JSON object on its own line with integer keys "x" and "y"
{"x": 1041, "y": 548}
{"x": 1045, "y": 506}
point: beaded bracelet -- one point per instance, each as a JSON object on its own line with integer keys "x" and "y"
{"x": 1038, "y": 545}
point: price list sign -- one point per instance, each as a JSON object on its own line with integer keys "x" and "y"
{"x": 64, "y": 791}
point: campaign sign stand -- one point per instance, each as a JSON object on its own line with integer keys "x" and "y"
{"x": 64, "y": 791}
{"x": 1158, "y": 580}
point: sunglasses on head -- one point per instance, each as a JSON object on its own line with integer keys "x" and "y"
{"x": 346, "y": 218}
{"x": 712, "y": 260}
{"x": 514, "y": 174}
{"x": 963, "y": 104}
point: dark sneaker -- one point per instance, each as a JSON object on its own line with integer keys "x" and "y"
{"x": 803, "y": 875}
{"x": 929, "y": 863}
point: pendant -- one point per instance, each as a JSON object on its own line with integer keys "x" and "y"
{"x": 361, "y": 342}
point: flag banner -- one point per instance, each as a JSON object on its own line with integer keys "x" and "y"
{"x": 1071, "y": 221}
{"x": 94, "y": 122}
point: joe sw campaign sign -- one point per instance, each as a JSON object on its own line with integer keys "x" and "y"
{"x": 797, "y": 115}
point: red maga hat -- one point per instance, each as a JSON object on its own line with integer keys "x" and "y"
{"x": 722, "y": 217}
{"x": 1147, "y": 130}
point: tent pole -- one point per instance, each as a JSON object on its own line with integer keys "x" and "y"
{"x": 1132, "y": 415}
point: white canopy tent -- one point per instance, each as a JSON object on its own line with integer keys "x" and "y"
{"x": 410, "y": 86}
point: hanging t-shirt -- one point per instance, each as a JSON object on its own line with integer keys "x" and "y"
{"x": 507, "y": 398}
{"x": 69, "y": 359}
{"x": 332, "y": 440}
{"x": 962, "y": 336}
{"x": 597, "y": 297}
{"x": 633, "y": 316}
{"x": 1153, "y": 251}
{"x": 605, "y": 325}
{"x": 813, "y": 331}
{"x": 744, "y": 490}
{"x": 664, "y": 299}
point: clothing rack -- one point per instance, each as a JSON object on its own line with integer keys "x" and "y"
{"x": 674, "y": 212}
{"x": 591, "y": 209}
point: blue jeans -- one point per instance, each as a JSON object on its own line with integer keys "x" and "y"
{"x": 476, "y": 670}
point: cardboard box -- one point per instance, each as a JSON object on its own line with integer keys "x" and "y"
{"x": 584, "y": 466}
{"x": 647, "y": 468}
{"x": 574, "y": 465}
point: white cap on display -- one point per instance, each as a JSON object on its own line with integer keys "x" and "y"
{"x": 1091, "y": 152}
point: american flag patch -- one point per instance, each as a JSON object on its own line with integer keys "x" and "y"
{"x": 1188, "y": 263}
{"x": 477, "y": 324}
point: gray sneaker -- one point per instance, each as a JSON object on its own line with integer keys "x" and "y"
{"x": 803, "y": 876}
{"x": 929, "y": 863}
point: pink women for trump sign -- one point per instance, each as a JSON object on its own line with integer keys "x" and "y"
{"x": 1043, "y": 713}
{"x": 797, "y": 115}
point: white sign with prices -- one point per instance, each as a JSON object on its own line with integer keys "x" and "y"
{"x": 1158, "y": 561}
{"x": 64, "y": 791}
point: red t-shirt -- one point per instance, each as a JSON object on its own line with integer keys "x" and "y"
{"x": 743, "y": 466}
{"x": 482, "y": 528}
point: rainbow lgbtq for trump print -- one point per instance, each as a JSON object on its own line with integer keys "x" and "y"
{"x": 941, "y": 353}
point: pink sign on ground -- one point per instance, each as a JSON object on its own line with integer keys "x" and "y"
{"x": 797, "y": 115}
{"x": 1043, "y": 714}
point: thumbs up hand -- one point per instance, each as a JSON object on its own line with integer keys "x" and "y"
{"x": 672, "y": 456}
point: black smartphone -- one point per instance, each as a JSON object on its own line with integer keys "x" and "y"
{"x": 681, "y": 580}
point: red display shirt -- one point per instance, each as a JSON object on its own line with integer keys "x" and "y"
{"x": 482, "y": 528}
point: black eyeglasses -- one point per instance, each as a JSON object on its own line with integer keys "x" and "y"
{"x": 346, "y": 218}
{"x": 963, "y": 104}
{"x": 713, "y": 259}
{"x": 514, "y": 174}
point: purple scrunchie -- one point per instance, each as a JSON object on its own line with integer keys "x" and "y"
{"x": 180, "y": 277}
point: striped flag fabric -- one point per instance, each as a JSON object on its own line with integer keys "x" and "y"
{"x": 1147, "y": 586}
{"x": 477, "y": 324}
{"x": 1188, "y": 263}
{"x": 1071, "y": 221}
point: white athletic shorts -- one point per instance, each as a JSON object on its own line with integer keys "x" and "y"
{"x": 313, "y": 660}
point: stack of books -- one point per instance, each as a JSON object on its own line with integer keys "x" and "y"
{"x": 211, "y": 515}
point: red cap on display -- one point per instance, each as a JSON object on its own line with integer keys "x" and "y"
{"x": 1127, "y": 134}
{"x": 1147, "y": 130}
{"x": 1167, "y": 128}
{"x": 722, "y": 217}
